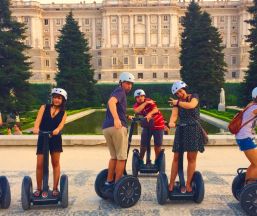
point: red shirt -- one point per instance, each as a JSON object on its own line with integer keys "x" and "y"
{"x": 157, "y": 117}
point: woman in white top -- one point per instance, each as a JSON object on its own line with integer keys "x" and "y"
{"x": 245, "y": 137}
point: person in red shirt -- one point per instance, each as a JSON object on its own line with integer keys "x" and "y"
{"x": 148, "y": 108}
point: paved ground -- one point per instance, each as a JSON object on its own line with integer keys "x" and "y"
{"x": 218, "y": 166}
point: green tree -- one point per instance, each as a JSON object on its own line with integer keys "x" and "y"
{"x": 14, "y": 66}
{"x": 75, "y": 71}
{"x": 202, "y": 59}
{"x": 250, "y": 79}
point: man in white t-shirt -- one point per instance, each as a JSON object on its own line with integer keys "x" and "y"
{"x": 245, "y": 137}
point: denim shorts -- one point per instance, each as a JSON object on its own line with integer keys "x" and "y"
{"x": 246, "y": 144}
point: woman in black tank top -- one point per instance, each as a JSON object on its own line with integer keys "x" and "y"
{"x": 51, "y": 117}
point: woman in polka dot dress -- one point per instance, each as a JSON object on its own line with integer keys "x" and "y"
{"x": 189, "y": 135}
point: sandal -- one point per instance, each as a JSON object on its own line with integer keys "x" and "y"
{"x": 56, "y": 192}
{"x": 183, "y": 190}
{"x": 37, "y": 193}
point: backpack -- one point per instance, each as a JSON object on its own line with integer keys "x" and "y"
{"x": 235, "y": 124}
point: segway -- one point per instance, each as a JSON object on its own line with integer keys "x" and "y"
{"x": 127, "y": 190}
{"x": 46, "y": 197}
{"x": 5, "y": 193}
{"x": 246, "y": 194}
{"x": 147, "y": 167}
{"x": 162, "y": 187}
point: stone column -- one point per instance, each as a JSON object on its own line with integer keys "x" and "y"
{"x": 228, "y": 32}
{"x": 108, "y": 31}
{"x": 104, "y": 39}
{"x": 171, "y": 30}
{"x": 120, "y": 31}
{"x": 148, "y": 31}
{"x": 51, "y": 23}
{"x": 131, "y": 30}
{"x": 159, "y": 31}
{"x": 93, "y": 34}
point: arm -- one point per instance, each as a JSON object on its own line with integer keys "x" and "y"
{"x": 255, "y": 112}
{"x": 61, "y": 125}
{"x": 189, "y": 105}
{"x": 150, "y": 114}
{"x": 1, "y": 120}
{"x": 142, "y": 106}
{"x": 113, "y": 109}
{"x": 173, "y": 117}
{"x": 38, "y": 119}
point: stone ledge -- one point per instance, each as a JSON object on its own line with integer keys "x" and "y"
{"x": 93, "y": 140}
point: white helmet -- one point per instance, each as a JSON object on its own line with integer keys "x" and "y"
{"x": 177, "y": 85}
{"x": 254, "y": 93}
{"x": 139, "y": 92}
{"x": 59, "y": 91}
{"x": 126, "y": 77}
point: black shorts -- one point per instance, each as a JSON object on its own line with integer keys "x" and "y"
{"x": 55, "y": 144}
{"x": 147, "y": 135}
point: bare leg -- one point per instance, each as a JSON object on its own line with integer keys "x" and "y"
{"x": 174, "y": 171}
{"x": 157, "y": 150}
{"x": 120, "y": 166}
{"x": 191, "y": 158}
{"x": 251, "y": 172}
{"x": 55, "y": 157}
{"x": 111, "y": 170}
{"x": 39, "y": 171}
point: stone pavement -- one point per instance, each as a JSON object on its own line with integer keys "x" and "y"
{"x": 217, "y": 164}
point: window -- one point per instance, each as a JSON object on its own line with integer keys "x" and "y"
{"x": 166, "y": 60}
{"x": 48, "y": 76}
{"x": 180, "y": 19}
{"x": 233, "y": 60}
{"x": 58, "y": 21}
{"x": 114, "y": 61}
{"x": 165, "y": 27}
{"x": 99, "y": 62}
{"x": 86, "y": 21}
{"x": 46, "y": 42}
{"x": 99, "y": 53}
{"x": 26, "y": 19}
{"x": 99, "y": 76}
{"x": 139, "y": 18}
{"x": 125, "y": 60}
{"x": 114, "y": 20}
{"x": 154, "y": 51}
{"x": 165, "y": 18}
{"x": 165, "y": 75}
{"x": 140, "y": 60}
{"x": 234, "y": 18}
{"x": 114, "y": 76}
{"x": 154, "y": 60}
{"x": 140, "y": 76}
{"x": 47, "y": 63}
{"x": 46, "y": 21}
{"x": 234, "y": 74}
{"x": 222, "y": 19}
{"x": 154, "y": 75}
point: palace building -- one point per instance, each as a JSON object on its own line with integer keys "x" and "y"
{"x": 138, "y": 36}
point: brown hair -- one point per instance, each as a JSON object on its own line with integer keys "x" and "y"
{"x": 63, "y": 104}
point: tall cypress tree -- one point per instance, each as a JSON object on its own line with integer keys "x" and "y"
{"x": 75, "y": 71}
{"x": 14, "y": 67}
{"x": 202, "y": 59}
{"x": 250, "y": 79}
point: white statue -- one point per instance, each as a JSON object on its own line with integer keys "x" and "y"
{"x": 222, "y": 106}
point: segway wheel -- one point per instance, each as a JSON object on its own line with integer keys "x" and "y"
{"x": 135, "y": 163}
{"x": 127, "y": 191}
{"x": 162, "y": 166}
{"x": 198, "y": 187}
{"x": 5, "y": 199}
{"x": 248, "y": 199}
{"x": 64, "y": 191}
{"x": 238, "y": 184}
{"x": 26, "y": 192}
{"x": 162, "y": 189}
{"x": 99, "y": 183}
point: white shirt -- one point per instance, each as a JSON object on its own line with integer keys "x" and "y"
{"x": 247, "y": 130}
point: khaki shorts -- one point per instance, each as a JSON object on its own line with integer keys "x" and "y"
{"x": 117, "y": 142}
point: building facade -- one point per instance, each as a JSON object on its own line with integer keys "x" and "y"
{"x": 138, "y": 36}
